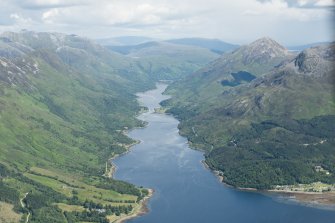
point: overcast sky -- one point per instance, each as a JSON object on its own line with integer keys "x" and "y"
{"x": 237, "y": 21}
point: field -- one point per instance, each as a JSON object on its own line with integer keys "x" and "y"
{"x": 7, "y": 214}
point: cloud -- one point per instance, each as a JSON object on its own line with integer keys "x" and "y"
{"x": 282, "y": 9}
{"x": 45, "y": 4}
{"x": 118, "y": 13}
{"x": 325, "y": 3}
{"x": 21, "y": 20}
{"x": 312, "y": 4}
{"x": 235, "y": 21}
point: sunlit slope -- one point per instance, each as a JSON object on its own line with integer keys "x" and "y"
{"x": 64, "y": 104}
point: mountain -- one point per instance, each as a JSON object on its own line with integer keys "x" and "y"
{"x": 64, "y": 104}
{"x": 162, "y": 60}
{"x": 255, "y": 131}
{"x": 232, "y": 69}
{"x": 77, "y": 52}
{"x": 215, "y": 45}
{"x": 127, "y": 49}
{"x": 124, "y": 40}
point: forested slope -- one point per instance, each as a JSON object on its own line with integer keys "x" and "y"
{"x": 274, "y": 128}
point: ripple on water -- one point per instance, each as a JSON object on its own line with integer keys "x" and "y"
{"x": 185, "y": 191}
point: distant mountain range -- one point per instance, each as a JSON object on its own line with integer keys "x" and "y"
{"x": 119, "y": 44}
{"x": 124, "y": 40}
{"x": 170, "y": 59}
{"x": 255, "y": 110}
{"x": 306, "y": 46}
{"x": 214, "y": 45}
{"x": 167, "y": 60}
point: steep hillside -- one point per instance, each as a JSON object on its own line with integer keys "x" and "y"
{"x": 162, "y": 60}
{"x": 256, "y": 131}
{"x": 64, "y": 103}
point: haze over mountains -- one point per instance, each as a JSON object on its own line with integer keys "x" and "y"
{"x": 173, "y": 59}
{"x": 215, "y": 45}
{"x": 303, "y": 47}
{"x": 170, "y": 59}
{"x": 124, "y": 40}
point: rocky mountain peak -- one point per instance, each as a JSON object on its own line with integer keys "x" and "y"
{"x": 266, "y": 42}
{"x": 308, "y": 59}
{"x": 263, "y": 50}
{"x": 316, "y": 62}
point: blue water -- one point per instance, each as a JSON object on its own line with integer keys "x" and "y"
{"x": 185, "y": 191}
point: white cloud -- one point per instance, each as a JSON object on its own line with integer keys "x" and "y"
{"x": 322, "y": 3}
{"x": 20, "y": 19}
{"x": 302, "y": 2}
{"x": 114, "y": 13}
{"x": 312, "y": 4}
{"x": 14, "y": 16}
{"x": 49, "y": 15}
{"x": 41, "y": 4}
{"x": 325, "y": 3}
{"x": 235, "y": 20}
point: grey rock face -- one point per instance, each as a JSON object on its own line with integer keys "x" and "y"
{"x": 262, "y": 51}
{"x": 316, "y": 61}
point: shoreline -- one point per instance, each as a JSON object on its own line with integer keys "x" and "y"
{"x": 110, "y": 173}
{"x": 322, "y": 200}
{"x": 142, "y": 207}
{"x": 140, "y": 210}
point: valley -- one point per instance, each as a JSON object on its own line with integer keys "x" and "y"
{"x": 69, "y": 105}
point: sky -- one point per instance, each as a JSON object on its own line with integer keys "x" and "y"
{"x": 237, "y": 21}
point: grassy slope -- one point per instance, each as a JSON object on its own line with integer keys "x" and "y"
{"x": 59, "y": 126}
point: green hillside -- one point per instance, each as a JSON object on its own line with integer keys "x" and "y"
{"x": 64, "y": 104}
{"x": 231, "y": 121}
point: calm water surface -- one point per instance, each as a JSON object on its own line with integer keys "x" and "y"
{"x": 185, "y": 191}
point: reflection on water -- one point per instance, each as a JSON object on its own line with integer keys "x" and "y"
{"x": 185, "y": 191}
